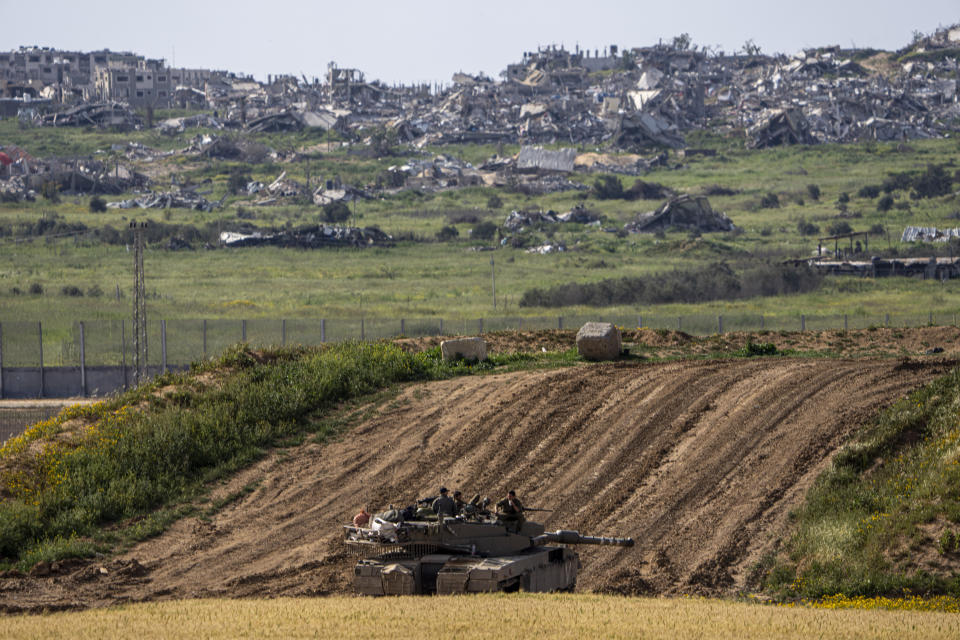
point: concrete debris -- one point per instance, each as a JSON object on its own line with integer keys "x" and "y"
{"x": 599, "y": 341}
{"x": 684, "y": 212}
{"x": 309, "y": 237}
{"x": 548, "y": 248}
{"x": 519, "y": 220}
{"x": 173, "y": 126}
{"x": 780, "y": 127}
{"x": 24, "y": 176}
{"x": 471, "y": 349}
{"x": 181, "y": 199}
{"x": 101, "y": 114}
{"x": 646, "y": 97}
{"x": 928, "y": 234}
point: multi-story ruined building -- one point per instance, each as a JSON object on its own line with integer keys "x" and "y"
{"x": 66, "y": 76}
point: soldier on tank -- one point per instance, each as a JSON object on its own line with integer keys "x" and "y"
{"x": 444, "y": 505}
{"x": 458, "y": 503}
{"x": 510, "y": 511}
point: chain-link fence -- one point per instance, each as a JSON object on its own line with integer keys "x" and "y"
{"x": 179, "y": 342}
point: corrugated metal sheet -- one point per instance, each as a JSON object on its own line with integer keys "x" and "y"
{"x": 544, "y": 160}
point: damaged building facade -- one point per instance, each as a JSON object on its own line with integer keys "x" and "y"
{"x": 628, "y": 99}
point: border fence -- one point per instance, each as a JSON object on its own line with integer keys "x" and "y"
{"x": 96, "y": 358}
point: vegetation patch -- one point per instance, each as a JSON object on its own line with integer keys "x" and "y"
{"x": 881, "y": 520}
{"x": 714, "y": 282}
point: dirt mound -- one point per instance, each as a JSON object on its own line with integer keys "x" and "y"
{"x": 699, "y": 461}
{"x": 668, "y": 343}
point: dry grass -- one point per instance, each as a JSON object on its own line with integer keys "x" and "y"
{"x": 494, "y": 616}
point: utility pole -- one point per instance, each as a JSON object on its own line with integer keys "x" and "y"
{"x": 493, "y": 281}
{"x": 139, "y": 307}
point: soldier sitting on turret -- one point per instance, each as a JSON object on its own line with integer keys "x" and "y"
{"x": 510, "y": 511}
{"x": 444, "y": 505}
{"x": 458, "y": 503}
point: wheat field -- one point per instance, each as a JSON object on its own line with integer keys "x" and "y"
{"x": 487, "y": 616}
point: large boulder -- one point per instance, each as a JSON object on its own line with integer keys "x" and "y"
{"x": 466, "y": 348}
{"x": 598, "y": 341}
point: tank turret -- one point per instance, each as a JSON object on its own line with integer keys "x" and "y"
{"x": 465, "y": 555}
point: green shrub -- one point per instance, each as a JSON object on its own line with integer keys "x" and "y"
{"x": 50, "y": 190}
{"x": 97, "y": 204}
{"x": 336, "y": 212}
{"x": 805, "y": 228}
{"x": 770, "y": 201}
{"x": 885, "y": 203}
{"x": 813, "y": 191}
{"x": 494, "y": 202}
{"x": 608, "y": 188}
{"x": 483, "y": 231}
{"x": 447, "y": 233}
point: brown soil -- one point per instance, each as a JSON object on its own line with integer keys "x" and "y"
{"x": 651, "y": 343}
{"x": 699, "y": 461}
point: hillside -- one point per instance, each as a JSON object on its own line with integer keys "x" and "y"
{"x": 700, "y": 461}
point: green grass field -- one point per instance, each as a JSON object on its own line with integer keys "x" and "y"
{"x": 421, "y": 277}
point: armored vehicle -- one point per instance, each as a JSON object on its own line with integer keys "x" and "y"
{"x": 465, "y": 555}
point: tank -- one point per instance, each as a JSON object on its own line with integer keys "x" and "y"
{"x": 465, "y": 554}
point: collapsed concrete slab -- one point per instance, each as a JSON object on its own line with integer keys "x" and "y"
{"x": 598, "y": 341}
{"x": 464, "y": 348}
{"x": 684, "y": 212}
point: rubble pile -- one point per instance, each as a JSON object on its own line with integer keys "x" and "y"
{"x": 631, "y": 99}
{"x": 99, "y": 114}
{"x": 181, "y": 198}
{"x": 519, "y": 220}
{"x": 24, "y": 176}
{"x": 683, "y": 212}
{"x": 310, "y": 237}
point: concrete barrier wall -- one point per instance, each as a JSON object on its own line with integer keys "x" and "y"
{"x": 67, "y": 382}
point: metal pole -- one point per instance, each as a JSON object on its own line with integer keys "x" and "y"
{"x": 493, "y": 280}
{"x": 363, "y": 332}
{"x": 803, "y": 322}
{"x": 845, "y": 326}
{"x": 163, "y": 346}
{"x": 930, "y": 321}
{"x": 403, "y": 327}
{"x": 40, "y": 339}
{"x": 679, "y": 323}
{"x": 204, "y": 339}
{"x": 441, "y": 326}
{"x": 639, "y": 322}
{"x": 886, "y": 320}
{"x": 243, "y": 331}
{"x": 123, "y": 352}
{"x": 323, "y": 330}
{"x": 719, "y": 324}
{"x": 761, "y": 322}
{"x": 283, "y": 333}
{"x": 481, "y": 325}
{"x": 83, "y": 363}
{"x": 559, "y": 322}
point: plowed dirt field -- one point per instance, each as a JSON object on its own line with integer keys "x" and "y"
{"x": 699, "y": 461}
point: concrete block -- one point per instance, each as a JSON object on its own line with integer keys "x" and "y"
{"x": 598, "y": 341}
{"x": 466, "y": 348}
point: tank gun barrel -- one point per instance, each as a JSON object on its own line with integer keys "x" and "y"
{"x": 574, "y": 537}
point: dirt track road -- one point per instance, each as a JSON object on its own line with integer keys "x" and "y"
{"x": 699, "y": 461}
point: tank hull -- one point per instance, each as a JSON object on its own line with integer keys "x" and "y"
{"x": 542, "y": 569}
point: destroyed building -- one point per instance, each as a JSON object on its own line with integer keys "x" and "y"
{"x": 643, "y": 99}
{"x": 682, "y": 212}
